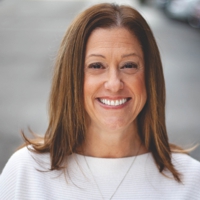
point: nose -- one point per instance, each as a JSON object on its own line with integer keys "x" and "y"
{"x": 113, "y": 82}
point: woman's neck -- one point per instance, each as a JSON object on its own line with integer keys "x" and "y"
{"x": 114, "y": 144}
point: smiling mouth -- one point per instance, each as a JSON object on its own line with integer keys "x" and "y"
{"x": 114, "y": 102}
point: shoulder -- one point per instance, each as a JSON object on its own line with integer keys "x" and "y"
{"x": 16, "y": 160}
{"x": 22, "y": 167}
{"x": 26, "y": 157}
{"x": 188, "y": 167}
{"x": 19, "y": 156}
{"x": 185, "y": 162}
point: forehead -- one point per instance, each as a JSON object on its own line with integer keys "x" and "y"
{"x": 117, "y": 38}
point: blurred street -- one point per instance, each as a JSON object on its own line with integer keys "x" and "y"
{"x": 30, "y": 34}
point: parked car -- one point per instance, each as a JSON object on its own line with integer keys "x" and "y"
{"x": 194, "y": 19}
{"x": 185, "y": 10}
{"x": 180, "y": 9}
{"x": 161, "y": 3}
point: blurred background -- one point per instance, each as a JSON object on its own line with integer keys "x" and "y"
{"x": 30, "y": 35}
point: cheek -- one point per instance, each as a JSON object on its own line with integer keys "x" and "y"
{"x": 92, "y": 85}
{"x": 86, "y": 89}
{"x": 141, "y": 88}
{"x": 137, "y": 85}
{"x": 90, "y": 89}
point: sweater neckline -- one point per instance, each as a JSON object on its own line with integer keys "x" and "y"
{"x": 141, "y": 156}
{"x": 100, "y": 160}
{"x": 106, "y": 167}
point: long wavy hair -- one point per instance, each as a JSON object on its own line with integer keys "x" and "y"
{"x": 67, "y": 125}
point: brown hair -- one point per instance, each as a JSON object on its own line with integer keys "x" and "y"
{"x": 66, "y": 107}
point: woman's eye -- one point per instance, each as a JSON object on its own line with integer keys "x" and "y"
{"x": 130, "y": 66}
{"x": 96, "y": 66}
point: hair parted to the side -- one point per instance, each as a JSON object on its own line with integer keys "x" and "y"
{"x": 67, "y": 127}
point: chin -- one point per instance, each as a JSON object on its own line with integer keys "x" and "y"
{"x": 116, "y": 125}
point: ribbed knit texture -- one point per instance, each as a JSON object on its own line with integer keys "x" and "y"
{"x": 22, "y": 178}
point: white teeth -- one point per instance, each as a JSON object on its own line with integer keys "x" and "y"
{"x": 113, "y": 102}
{"x": 116, "y": 103}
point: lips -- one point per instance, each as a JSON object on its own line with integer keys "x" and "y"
{"x": 111, "y": 102}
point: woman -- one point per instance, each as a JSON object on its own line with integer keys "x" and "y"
{"x": 107, "y": 137}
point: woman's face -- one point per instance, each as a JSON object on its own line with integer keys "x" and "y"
{"x": 114, "y": 85}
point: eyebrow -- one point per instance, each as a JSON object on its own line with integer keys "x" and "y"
{"x": 96, "y": 55}
{"x": 123, "y": 56}
{"x": 131, "y": 54}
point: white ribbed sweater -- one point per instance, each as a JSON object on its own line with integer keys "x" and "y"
{"x": 21, "y": 179}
